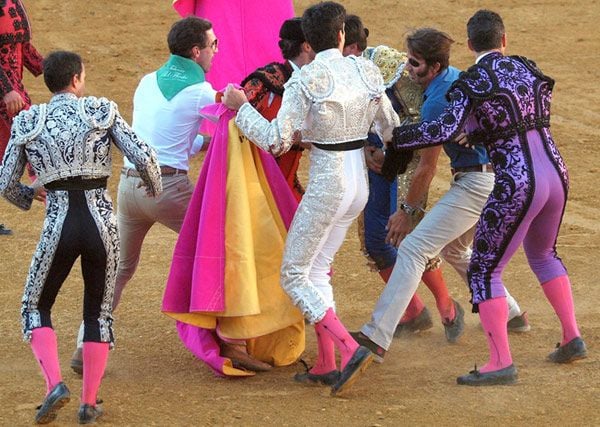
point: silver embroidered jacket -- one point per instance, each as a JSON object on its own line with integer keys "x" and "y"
{"x": 323, "y": 101}
{"x": 71, "y": 137}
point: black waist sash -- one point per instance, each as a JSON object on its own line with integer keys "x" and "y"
{"x": 76, "y": 183}
{"x": 342, "y": 146}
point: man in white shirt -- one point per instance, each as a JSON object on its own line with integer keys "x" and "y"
{"x": 166, "y": 115}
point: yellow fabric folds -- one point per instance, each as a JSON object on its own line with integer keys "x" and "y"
{"x": 257, "y": 308}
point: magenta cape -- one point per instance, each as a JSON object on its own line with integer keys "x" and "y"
{"x": 196, "y": 290}
{"x": 247, "y": 30}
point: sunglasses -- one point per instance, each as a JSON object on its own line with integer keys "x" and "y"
{"x": 414, "y": 63}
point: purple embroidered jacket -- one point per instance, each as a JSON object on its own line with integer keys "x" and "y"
{"x": 503, "y": 102}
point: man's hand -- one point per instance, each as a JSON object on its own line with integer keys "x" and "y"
{"x": 297, "y": 140}
{"x": 234, "y": 98}
{"x": 463, "y": 139}
{"x": 374, "y": 157}
{"x": 14, "y": 102}
{"x": 207, "y": 138}
{"x": 39, "y": 192}
{"x": 398, "y": 226}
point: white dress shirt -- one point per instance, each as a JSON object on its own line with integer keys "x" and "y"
{"x": 170, "y": 127}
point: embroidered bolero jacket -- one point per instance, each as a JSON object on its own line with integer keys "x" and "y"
{"x": 71, "y": 137}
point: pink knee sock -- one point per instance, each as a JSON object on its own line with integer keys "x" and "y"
{"x": 95, "y": 355}
{"x": 326, "y": 348}
{"x": 332, "y": 326}
{"x": 494, "y": 315}
{"x": 45, "y": 350}
{"x": 435, "y": 282}
{"x": 415, "y": 305}
{"x": 558, "y": 292}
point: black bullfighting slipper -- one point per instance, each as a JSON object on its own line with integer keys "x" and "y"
{"x": 360, "y": 361}
{"x": 58, "y": 397}
{"x": 329, "y": 378}
{"x": 88, "y": 414}
{"x": 502, "y": 376}
{"x": 571, "y": 351}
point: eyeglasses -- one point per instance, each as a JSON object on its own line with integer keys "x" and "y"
{"x": 214, "y": 45}
{"x": 414, "y": 63}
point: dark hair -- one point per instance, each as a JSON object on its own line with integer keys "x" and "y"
{"x": 321, "y": 24}
{"x": 290, "y": 49}
{"x": 485, "y": 30}
{"x": 356, "y": 32}
{"x": 187, "y": 33}
{"x": 292, "y": 37}
{"x": 59, "y": 68}
{"x": 430, "y": 44}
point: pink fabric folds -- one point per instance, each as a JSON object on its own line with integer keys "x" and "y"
{"x": 199, "y": 255}
{"x": 247, "y": 31}
{"x": 197, "y": 274}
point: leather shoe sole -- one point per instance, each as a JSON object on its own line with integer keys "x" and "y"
{"x": 330, "y": 378}
{"x": 503, "y": 376}
{"x": 571, "y": 351}
{"x": 58, "y": 397}
{"x": 365, "y": 341}
{"x": 360, "y": 361}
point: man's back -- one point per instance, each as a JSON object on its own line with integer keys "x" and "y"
{"x": 346, "y": 93}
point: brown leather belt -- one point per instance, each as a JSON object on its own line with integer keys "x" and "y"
{"x": 164, "y": 171}
{"x": 476, "y": 168}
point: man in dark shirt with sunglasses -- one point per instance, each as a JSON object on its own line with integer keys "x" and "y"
{"x": 448, "y": 228}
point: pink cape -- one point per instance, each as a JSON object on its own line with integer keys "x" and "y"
{"x": 196, "y": 279}
{"x": 247, "y": 30}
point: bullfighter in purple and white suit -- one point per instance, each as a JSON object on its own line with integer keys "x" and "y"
{"x": 503, "y": 102}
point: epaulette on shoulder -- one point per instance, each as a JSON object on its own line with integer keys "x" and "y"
{"x": 477, "y": 82}
{"x": 370, "y": 75}
{"x": 532, "y": 66}
{"x": 99, "y": 112}
{"x": 29, "y": 123}
{"x": 316, "y": 81}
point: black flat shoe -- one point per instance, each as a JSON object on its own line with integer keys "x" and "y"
{"x": 503, "y": 376}
{"x": 360, "y": 361}
{"x": 571, "y": 351}
{"x": 330, "y": 378}
{"x": 58, "y": 397}
{"x": 88, "y": 414}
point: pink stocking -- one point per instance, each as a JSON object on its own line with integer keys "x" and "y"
{"x": 332, "y": 326}
{"x": 558, "y": 292}
{"x": 415, "y": 305}
{"x": 326, "y": 357}
{"x": 494, "y": 315}
{"x": 45, "y": 350}
{"x": 95, "y": 356}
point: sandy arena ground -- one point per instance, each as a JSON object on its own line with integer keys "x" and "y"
{"x": 152, "y": 380}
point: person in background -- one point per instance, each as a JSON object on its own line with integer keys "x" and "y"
{"x": 16, "y": 52}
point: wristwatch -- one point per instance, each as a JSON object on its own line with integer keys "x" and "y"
{"x": 408, "y": 209}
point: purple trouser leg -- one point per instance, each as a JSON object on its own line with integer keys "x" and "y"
{"x": 532, "y": 206}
